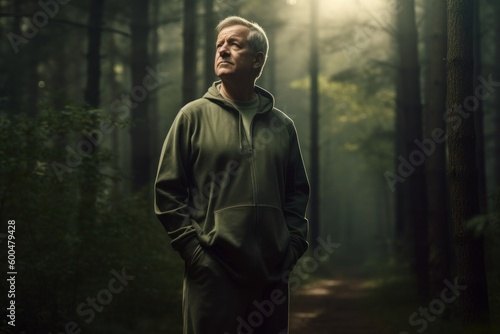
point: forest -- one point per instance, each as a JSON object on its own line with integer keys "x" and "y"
{"x": 396, "y": 104}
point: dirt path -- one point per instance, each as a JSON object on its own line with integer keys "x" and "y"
{"x": 334, "y": 306}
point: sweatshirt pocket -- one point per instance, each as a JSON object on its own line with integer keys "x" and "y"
{"x": 250, "y": 240}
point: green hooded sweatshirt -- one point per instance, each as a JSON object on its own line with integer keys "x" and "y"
{"x": 241, "y": 200}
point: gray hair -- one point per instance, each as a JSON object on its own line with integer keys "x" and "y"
{"x": 257, "y": 38}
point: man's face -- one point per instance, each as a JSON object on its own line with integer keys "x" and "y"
{"x": 233, "y": 57}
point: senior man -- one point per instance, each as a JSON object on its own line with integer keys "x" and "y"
{"x": 231, "y": 192}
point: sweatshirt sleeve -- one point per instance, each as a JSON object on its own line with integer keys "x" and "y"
{"x": 171, "y": 197}
{"x": 296, "y": 197}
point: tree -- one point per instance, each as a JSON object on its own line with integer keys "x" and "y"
{"x": 400, "y": 188}
{"x": 496, "y": 5}
{"x": 13, "y": 90}
{"x": 314, "y": 133}
{"x": 189, "y": 52}
{"x": 479, "y": 112}
{"x": 462, "y": 168}
{"x": 435, "y": 85}
{"x": 209, "y": 43}
{"x": 157, "y": 14}
{"x": 140, "y": 134}
{"x": 92, "y": 90}
{"x": 408, "y": 101}
{"x": 88, "y": 189}
{"x": 22, "y": 91}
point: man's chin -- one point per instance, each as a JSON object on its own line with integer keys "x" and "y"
{"x": 223, "y": 74}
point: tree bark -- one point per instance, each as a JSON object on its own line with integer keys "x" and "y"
{"x": 92, "y": 90}
{"x": 479, "y": 113}
{"x": 13, "y": 90}
{"x": 496, "y": 5}
{"x": 409, "y": 102}
{"x": 439, "y": 229}
{"x": 462, "y": 168}
{"x": 140, "y": 139}
{"x": 155, "y": 100}
{"x": 271, "y": 59}
{"x": 402, "y": 197}
{"x": 314, "y": 129}
{"x": 189, "y": 52}
{"x": 209, "y": 43}
{"x": 88, "y": 183}
{"x": 112, "y": 78}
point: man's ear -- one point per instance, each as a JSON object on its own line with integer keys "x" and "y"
{"x": 258, "y": 60}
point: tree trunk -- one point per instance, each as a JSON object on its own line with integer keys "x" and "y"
{"x": 497, "y": 101}
{"x": 31, "y": 80}
{"x": 439, "y": 229}
{"x": 271, "y": 59}
{"x": 92, "y": 90}
{"x": 155, "y": 101}
{"x": 479, "y": 113}
{"x": 189, "y": 52}
{"x": 88, "y": 185}
{"x": 409, "y": 102}
{"x": 140, "y": 140}
{"x": 88, "y": 182}
{"x": 112, "y": 78}
{"x": 402, "y": 195}
{"x": 209, "y": 43}
{"x": 462, "y": 168}
{"x": 314, "y": 130}
{"x": 13, "y": 89}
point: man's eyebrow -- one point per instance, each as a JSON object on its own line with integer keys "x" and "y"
{"x": 230, "y": 38}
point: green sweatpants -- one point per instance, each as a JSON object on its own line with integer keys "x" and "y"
{"x": 214, "y": 303}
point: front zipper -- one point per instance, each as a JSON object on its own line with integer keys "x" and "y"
{"x": 255, "y": 192}
{"x": 254, "y": 176}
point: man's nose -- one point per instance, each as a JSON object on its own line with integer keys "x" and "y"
{"x": 222, "y": 49}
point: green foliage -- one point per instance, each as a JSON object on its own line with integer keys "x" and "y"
{"x": 63, "y": 259}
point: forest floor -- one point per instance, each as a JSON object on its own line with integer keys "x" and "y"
{"x": 345, "y": 304}
{"x": 354, "y": 301}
